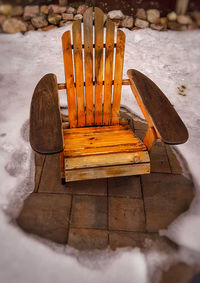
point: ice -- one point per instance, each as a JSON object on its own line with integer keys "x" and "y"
{"x": 170, "y": 59}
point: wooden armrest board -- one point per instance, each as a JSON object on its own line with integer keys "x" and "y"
{"x": 155, "y": 105}
{"x": 45, "y": 122}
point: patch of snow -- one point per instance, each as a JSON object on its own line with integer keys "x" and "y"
{"x": 170, "y": 59}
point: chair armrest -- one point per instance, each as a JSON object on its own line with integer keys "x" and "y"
{"x": 45, "y": 119}
{"x": 157, "y": 110}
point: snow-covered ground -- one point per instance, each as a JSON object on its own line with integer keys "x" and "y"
{"x": 170, "y": 59}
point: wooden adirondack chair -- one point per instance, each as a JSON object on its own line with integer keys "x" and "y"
{"x": 97, "y": 144}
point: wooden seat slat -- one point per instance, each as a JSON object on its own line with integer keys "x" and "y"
{"x": 69, "y": 78}
{"x": 88, "y": 53}
{"x": 78, "y": 63}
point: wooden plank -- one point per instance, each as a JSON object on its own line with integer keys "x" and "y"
{"x": 106, "y": 160}
{"x": 99, "y": 29}
{"x": 119, "y": 62}
{"x": 69, "y": 78}
{"x": 106, "y": 172}
{"x": 96, "y": 129}
{"x": 150, "y": 138}
{"x": 88, "y": 52}
{"x": 45, "y": 119}
{"x": 110, "y": 29}
{"x": 157, "y": 109}
{"x": 78, "y": 64}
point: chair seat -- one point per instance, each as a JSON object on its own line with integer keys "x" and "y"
{"x": 99, "y": 152}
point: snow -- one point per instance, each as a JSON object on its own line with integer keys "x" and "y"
{"x": 170, "y": 59}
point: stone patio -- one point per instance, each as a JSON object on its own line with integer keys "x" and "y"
{"x": 115, "y": 212}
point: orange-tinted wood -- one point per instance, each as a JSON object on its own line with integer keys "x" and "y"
{"x": 78, "y": 63}
{"x": 69, "y": 78}
{"x": 99, "y": 28}
{"x": 88, "y": 52}
{"x": 110, "y": 29}
{"x": 119, "y": 61}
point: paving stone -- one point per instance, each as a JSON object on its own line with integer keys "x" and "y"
{"x": 89, "y": 187}
{"x": 125, "y": 187}
{"x": 174, "y": 163}
{"x": 89, "y": 212}
{"x": 145, "y": 241}
{"x": 159, "y": 159}
{"x": 46, "y": 215}
{"x": 180, "y": 272}
{"x": 88, "y": 239}
{"x": 126, "y": 214}
{"x": 166, "y": 196}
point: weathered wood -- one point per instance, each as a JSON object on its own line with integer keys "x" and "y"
{"x": 157, "y": 109}
{"x": 88, "y": 51}
{"x": 107, "y": 172}
{"x": 101, "y": 140}
{"x": 119, "y": 62}
{"x": 78, "y": 63}
{"x": 150, "y": 138}
{"x": 106, "y": 160}
{"x": 110, "y": 29}
{"x": 45, "y": 119}
{"x": 69, "y": 78}
{"x": 99, "y": 28}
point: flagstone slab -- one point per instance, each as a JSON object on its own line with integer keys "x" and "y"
{"x": 46, "y": 215}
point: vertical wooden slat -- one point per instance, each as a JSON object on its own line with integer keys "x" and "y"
{"x": 88, "y": 52}
{"x": 99, "y": 28}
{"x": 78, "y": 63}
{"x": 110, "y": 30}
{"x": 69, "y": 78}
{"x": 119, "y": 61}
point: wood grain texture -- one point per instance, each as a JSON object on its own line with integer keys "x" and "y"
{"x": 45, "y": 120}
{"x": 78, "y": 63}
{"x": 88, "y": 53}
{"x": 157, "y": 109}
{"x": 99, "y": 29}
{"x": 119, "y": 62}
{"x": 150, "y": 138}
{"x": 106, "y": 160}
{"x": 107, "y": 172}
{"x": 69, "y": 78}
{"x": 110, "y": 29}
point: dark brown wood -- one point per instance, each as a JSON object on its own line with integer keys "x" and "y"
{"x": 157, "y": 109}
{"x": 45, "y": 121}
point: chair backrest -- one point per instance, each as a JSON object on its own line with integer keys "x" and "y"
{"x": 92, "y": 100}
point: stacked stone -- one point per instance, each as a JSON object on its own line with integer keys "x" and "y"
{"x": 43, "y": 18}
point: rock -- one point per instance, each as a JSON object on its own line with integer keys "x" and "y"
{"x": 13, "y": 25}
{"x": 30, "y": 12}
{"x": 39, "y": 21}
{"x": 63, "y": 2}
{"x": 71, "y": 10}
{"x": 56, "y": 9}
{"x": 141, "y": 14}
{"x": 196, "y": 16}
{"x": 116, "y": 15}
{"x": 192, "y": 26}
{"x": 17, "y": 11}
{"x": 44, "y": 9}
{"x": 127, "y": 22}
{"x": 153, "y": 16}
{"x": 164, "y": 22}
{"x": 48, "y": 28}
{"x": 78, "y": 17}
{"x": 158, "y": 27}
{"x": 172, "y": 16}
{"x": 81, "y": 9}
{"x": 30, "y": 27}
{"x": 184, "y": 19}
{"x": 141, "y": 23}
{"x": 54, "y": 19}
{"x": 2, "y": 19}
{"x": 176, "y": 26}
{"x": 67, "y": 17}
{"x": 64, "y": 23}
{"x": 6, "y": 9}
{"x": 116, "y": 22}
